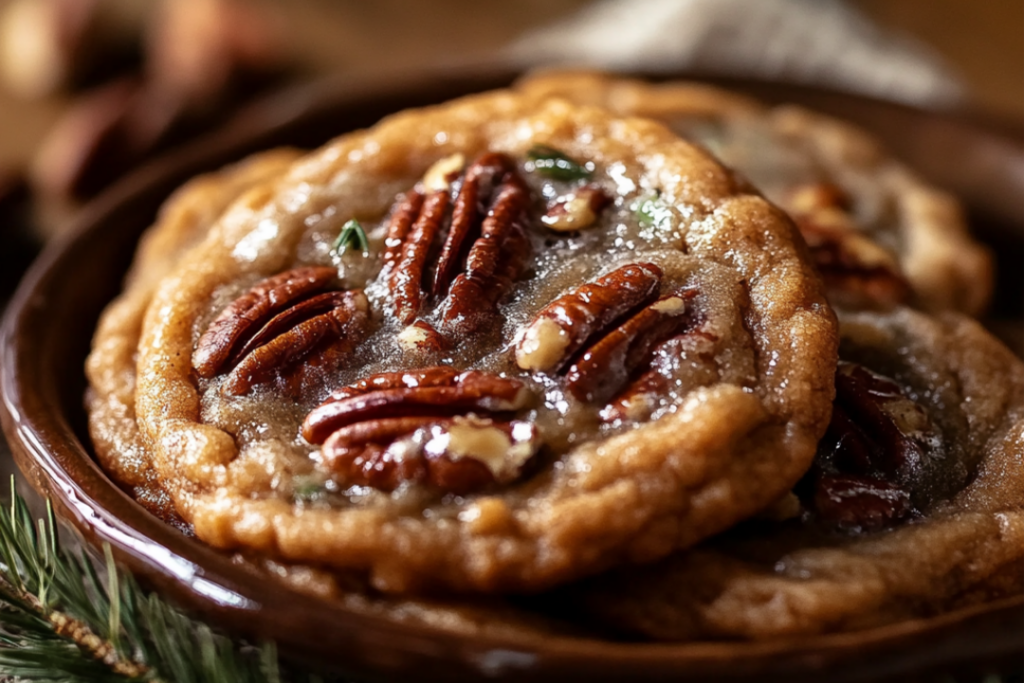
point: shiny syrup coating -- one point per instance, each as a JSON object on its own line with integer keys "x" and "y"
{"x": 463, "y": 253}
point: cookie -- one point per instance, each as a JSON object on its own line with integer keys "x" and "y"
{"x": 489, "y": 346}
{"x": 880, "y": 236}
{"x": 914, "y": 506}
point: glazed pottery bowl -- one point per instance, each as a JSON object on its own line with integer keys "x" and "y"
{"x": 49, "y": 324}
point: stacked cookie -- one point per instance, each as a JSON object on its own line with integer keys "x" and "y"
{"x": 521, "y": 344}
{"x": 912, "y": 506}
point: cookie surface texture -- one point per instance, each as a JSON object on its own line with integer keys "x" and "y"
{"x": 489, "y": 346}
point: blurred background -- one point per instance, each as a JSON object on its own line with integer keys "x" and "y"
{"x": 91, "y": 88}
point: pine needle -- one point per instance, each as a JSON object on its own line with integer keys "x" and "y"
{"x": 65, "y": 617}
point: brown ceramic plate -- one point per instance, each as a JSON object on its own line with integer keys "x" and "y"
{"x": 49, "y": 324}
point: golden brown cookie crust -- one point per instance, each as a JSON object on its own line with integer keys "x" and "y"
{"x": 633, "y": 497}
{"x": 183, "y": 221}
{"x": 923, "y": 227}
{"x": 796, "y": 580}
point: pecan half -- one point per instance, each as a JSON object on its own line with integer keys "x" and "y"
{"x": 578, "y": 210}
{"x": 286, "y": 329}
{"x": 437, "y": 376}
{"x": 859, "y": 502}
{"x": 870, "y": 470}
{"x": 435, "y": 426}
{"x": 403, "y": 216}
{"x": 809, "y": 198}
{"x": 430, "y": 391}
{"x": 476, "y": 226}
{"x": 606, "y": 366}
{"x": 857, "y": 271}
{"x": 458, "y": 455}
{"x": 564, "y": 326}
{"x": 421, "y": 337}
{"x": 360, "y": 454}
{"x": 640, "y": 399}
{"x": 471, "y": 205}
{"x": 645, "y": 395}
{"x": 494, "y": 261}
{"x": 600, "y": 334}
{"x": 406, "y": 282}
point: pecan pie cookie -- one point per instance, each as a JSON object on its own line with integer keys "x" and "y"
{"x": 879, "y": 235}
{"x": 489, "y": 346}
{"x": 914, "y": 506}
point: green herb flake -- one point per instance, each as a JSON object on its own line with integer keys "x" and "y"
{"x": 351, "y": 232}
{"x": 651, "y": 211}
{"x": 554, "y": 164}
{"x": 307, "y": 489}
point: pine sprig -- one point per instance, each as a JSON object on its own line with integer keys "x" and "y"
{"x": 65, "y": 617}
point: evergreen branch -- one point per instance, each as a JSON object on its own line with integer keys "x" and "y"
{"x": 65, "y": 617}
